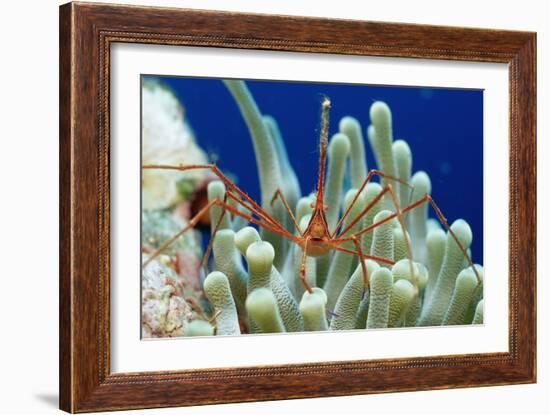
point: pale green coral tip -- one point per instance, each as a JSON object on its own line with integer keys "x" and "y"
{"x": 214, "y": 280}
{"x": 382, "y": 274}
{"x": 216, "y": 188}
{"x": 478, "y": 316}
{"x": 225, "y": 235}
{"x": 380, "y": 112}
{"x": 260, "y": 255}
{"x": 320, "y": 293}
{"x": 245, "y": 237}
{"x": 404, "y": 289}
{"x": 312, "y": 303}
{"x": 479, "y": 269}
{"x": 401, "y": 150}
{"x": 402, "y": 270}
{"x": 199, "y": 328}
{"x": 339, "y": 146}
{"x": 435, "y": 237}
{"x": 349, "y": 198}
{"x": 422, "y": 184}
{"x": 467, "y": 278}
{"x": 463, "y": 232}
{"x": 372, "y": 190}
{"x": 348, "y": 123}
{"x": 383, "y": 214}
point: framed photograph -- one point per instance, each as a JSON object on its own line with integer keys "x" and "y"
{"x": 259, "y": 207}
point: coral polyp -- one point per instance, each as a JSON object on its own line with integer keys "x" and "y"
{"x": 359, "y": 251}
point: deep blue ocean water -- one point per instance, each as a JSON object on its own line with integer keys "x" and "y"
{"x": 443, "y": 127}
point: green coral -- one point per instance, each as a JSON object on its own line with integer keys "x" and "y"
{"x": 263, "y": 310}
{"x": 218, "y": 292}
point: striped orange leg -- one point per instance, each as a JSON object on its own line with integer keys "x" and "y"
{"x": 214, "y": 169}
{"x": 441, "y": 218}
{"x": 362, "y": 262}
{"x": 370, "y": 175}
{"x": 279, "y": 194}
{"x": 225, "y": 207}
{"x": 399, "y": 214}
{"x": 362, "y": 255}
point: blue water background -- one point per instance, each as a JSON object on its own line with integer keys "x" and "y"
{"x": 443, "y": 127}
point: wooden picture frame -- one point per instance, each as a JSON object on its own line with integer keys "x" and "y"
{"x": 87, "y": 32}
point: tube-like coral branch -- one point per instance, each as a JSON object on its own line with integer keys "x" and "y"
{"x": 381, "y": 286}
{"x": 312, "y": 308}
{"x": 199, "y": 328}
{"x": 435, "y": 249}
{"x": 371, "y": 191}
{"x": 436, "y": 306}
{"x": 228, "y": 261}
{"x": 216, "y": 190}
{"x": 362, "y": 312}
{"x": 264, "y": 274}
{"x": 403, "y": 164}
{"x": 259, "y": 257}
{"x": 413, "y": 313}
{"x": 287, "y": 305}
{"x": 290, "y": 184}
{"x": 382, "y": 240}
{"x": 262, "y": 309}
{"x": 338, "y": 151}
{"x": 381, "y": 137}
{"x": 218, "y": 292}
{"x": 345, "y": 311}
{"x": 476, "y": 297}
{"x": 246, "y": 237}
{"x": 402, "y": 296}
{"x": 358, "y": 163}
{"x": 465, "y": 285}
{"x": 269, "y": 169}
{"x": 399, "y": 244}
{"x": 419, "y": 216}
{"x": 340, "y": 266}
{"x": 478, "y": 316}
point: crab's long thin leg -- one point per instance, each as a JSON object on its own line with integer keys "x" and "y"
{"x": 192, "y": 223}
{"x": 370, "y": 175}
{"x": 204, "y": 261}
{"x": 282, "y": 231}
{"x": 363, "y": 213}
{"x": 401, "y": 220}
{"x": 194, "y": 220}
{"x": 364, "y": 256}
{"x": 225, "y": 180}
{"x": 279, "y": 194}
{"x": 441, "y": 218}
{"x": 443, "y": 221}
{"x": 362, "y": 261}
{"x": 251, "y": 209}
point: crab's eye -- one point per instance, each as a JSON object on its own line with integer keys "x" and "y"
{"x": 312, "y": 205}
